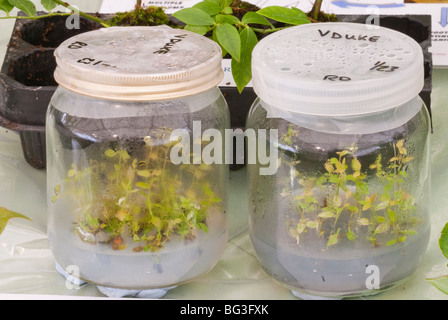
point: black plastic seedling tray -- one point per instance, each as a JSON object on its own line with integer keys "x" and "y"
{"x": 27, "y": 83}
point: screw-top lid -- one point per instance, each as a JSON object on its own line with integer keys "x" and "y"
{"x": 138, "y": 63}
{"x": 337, "y": 69}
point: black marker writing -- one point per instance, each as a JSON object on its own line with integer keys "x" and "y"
{"x": 333, "y": 77}
{"x": 94, "y": 62}
{"x": 335, "y": 35}
{"x": 77, "y": 45}
{"x": 167, "y": 47}
{"x": 381, "y": 66}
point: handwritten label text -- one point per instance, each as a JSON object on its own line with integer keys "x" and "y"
{"x": 359, "y": 37}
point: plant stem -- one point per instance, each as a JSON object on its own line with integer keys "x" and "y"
{"x": 264, "y": 31}
{"x": 316, "y": 9}
{"x": 60, "y": 14}
{"x": 82, "y": 14}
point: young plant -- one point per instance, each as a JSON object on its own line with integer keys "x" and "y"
{"x": 340, "y": 203}
{"x": 123, "y": 198}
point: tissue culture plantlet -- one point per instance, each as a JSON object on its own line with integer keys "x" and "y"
{"x": 340, "y": 203}
{"x": 144, "y": 197}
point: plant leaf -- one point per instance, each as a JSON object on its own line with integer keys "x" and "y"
{"x": 333, "y": 239}
{"x": 443, "y": 241}
{"x": 356, "y": 165}
{"x": 312, "y": 224}
{"x": 229, "y": 38}
{"x": 123, "y": 154}
{"x": 110, "y": 153}
{"x": 381, "y": 228}
{"x": 225, "y": 3}
{"x": 391, "y": 214}
{"x": 391, "y": 242}
{"x": 227, "y": 10}
{"x": 440, "y": 283}
{"x": 142, "y": 185}
{"x": 71, "y": 173}
{"x": 48, "y": 4}
{"x": 209, "y": 7}
{"x": 194, "y": 16}
{"x": 213, "y": 1}
{"x": 121, "y": 214}
{"x": 144, "y": 173}
{"x": 25, "y": 5}
{"x": 203, "y": 226}
{"x": 157, "y": 222}
{"x": 214, "y": 38}
{"x": 225, "y": 18}
{"x": 242, "y": 70}
{"x": 202, "y": 30}
{"x": 301, "y": 227}
{"x": 326, "y": 214}
{"x": 253, "y": 17}
{"x": 5, "y": 215}
{"x": 6, "y": 6}
{"x": 351, "y": 235}
{"x": 363, "y": 221}
{"x": 285, "y": 15}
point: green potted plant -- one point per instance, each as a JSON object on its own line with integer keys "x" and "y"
{"x": 238, "y": 36}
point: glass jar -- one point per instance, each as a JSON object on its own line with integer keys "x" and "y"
{"x": 133, "y": 201}
{"x": 346, "y": 210}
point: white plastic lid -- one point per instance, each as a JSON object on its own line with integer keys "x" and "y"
{"x": 138, "y": 63}
{"x": 337, "y": 69}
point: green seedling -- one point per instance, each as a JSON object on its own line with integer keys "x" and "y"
{"x": 144, "y": 196}
{"x": 340, "y": 203}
